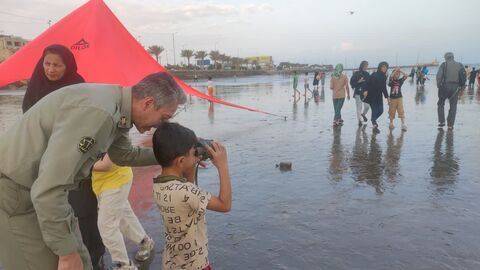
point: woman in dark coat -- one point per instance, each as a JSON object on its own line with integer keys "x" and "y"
{"x": 57, "y": 68}
{"x": 376, "y": 86}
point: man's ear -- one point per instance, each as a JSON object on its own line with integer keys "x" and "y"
{"x": 148, "y": 102}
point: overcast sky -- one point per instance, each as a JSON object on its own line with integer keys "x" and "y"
{"x": 302, "y": 31}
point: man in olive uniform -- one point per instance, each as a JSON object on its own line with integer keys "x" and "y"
{"x": 53, "y": 147}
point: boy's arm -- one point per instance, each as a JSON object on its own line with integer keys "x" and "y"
{"x": 103, "y": 165}
{"x": 223, "y": 202}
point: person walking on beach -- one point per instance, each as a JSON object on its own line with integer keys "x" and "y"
{"x": 412, "y": 73}
{"x": 395, "y": 104}
{"x": 116, "y": 219}
{"x": 468, "y": 71}
{"x": 55, "y": 69}
{"x": 316, "y": 80}
{"x": 478, "y": 79}
{"x": 473, "y": 76}
{"x": 339, "y": 87}
{"x": 451, "y": 80}
{"x": 376, "y": 86}
{"x": 419, "y": 74}
{"x": 210, "y": 88}
{"x": 358, "y": 83}
{"x": 53, "y": 147}
{"x": 306, "y": 85}
{"x": 322, "y": 78}
{"x": 295, "y": 87}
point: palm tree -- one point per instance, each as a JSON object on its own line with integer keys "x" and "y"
{"x": 225, "y": 59}
{"x": 155, "y": 50}
{"x": 237, "y": 62}
{"x": 215, "y": 56}
{"x": 201, "y": 55}
{"x": 187, "y": 54}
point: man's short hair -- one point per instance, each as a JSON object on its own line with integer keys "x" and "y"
{"x": 172, "y": 140}
{"x": 162, "y": 87}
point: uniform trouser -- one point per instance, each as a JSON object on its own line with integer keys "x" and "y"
{"x": 115, "y": 219}
{"x": 21, "y": 243}
{"x": 396, "y": 106}
{"x": 377, "y": 110}
{"x": 450, "y": 93}
{"x": 337, "y": 106}
{"x": 360, "y": 103}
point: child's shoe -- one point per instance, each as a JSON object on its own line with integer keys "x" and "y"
{"x": 144, "y": 250}
{"x": 124, "y": 266}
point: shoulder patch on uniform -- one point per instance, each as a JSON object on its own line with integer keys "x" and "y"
{"x": 85, "y": 144}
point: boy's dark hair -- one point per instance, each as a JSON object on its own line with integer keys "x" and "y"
{"x": 170, "y": 141}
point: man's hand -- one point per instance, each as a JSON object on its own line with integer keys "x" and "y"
{"x": 72, "y": 261}
{"x": 219, "y": 155}
{"x": 361, "y": 80}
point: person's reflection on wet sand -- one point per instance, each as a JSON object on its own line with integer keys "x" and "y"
{"x": 420, "y": 97}
{"x": 211, "y": 113}
{"x": 359, "y": 155}
{"x": 445, "y": 165}
{"x": 374, "y": 165}
{"x": 392, "y": 156}
{"x": 305, "y": 107}
{"x": 471, "y": 93}
{"x": 337, "y": 156}
{"x": 322, "y": 94}
{"x": 294, "y": 111}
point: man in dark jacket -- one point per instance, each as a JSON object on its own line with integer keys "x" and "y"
{"x": 451, "y": 79}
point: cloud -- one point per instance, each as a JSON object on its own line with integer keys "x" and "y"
{"x": 157, "y": 14}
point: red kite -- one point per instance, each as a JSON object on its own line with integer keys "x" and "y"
{"x": 104, "y": 50}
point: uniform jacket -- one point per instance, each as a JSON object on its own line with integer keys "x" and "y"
{"x": 55, "y": 144}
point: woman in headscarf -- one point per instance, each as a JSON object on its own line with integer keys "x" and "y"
{"x": 376, "y": 86}
{"x": 358, "y": 82}
{"x": 339, "y": 87}
{"x": 55, "y": 69}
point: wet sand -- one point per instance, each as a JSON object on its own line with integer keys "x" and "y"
{"x": 354, "y": 200}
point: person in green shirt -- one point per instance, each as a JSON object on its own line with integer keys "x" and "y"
{"x": 295, "y": 87}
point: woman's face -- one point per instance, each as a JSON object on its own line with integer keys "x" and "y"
{"x": 53, "y": 66}
{"x": 383, "y": 68}
{"x": 365, "y": 67}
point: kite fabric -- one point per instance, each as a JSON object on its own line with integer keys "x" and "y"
{"x": 104, "y": 50}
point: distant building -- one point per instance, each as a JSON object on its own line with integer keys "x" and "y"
{"x": 262, "y": 62}
{"x": 9, "y": 45}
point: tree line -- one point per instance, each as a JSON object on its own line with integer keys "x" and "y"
{"x": 220, "y": 60}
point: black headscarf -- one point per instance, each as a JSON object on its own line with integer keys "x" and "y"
{"x": 360, "y": 68}
{"x": 41, "y": 86}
